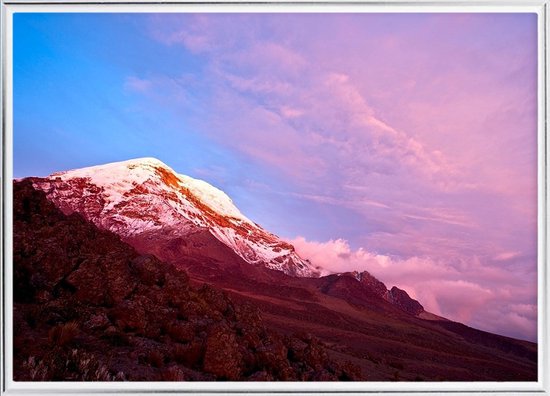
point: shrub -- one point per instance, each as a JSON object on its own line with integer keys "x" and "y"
{"x": 179, "y": 353}
{"x": 189, "y": 355}
{"x": 63, "y": 334}
{"x": 37, "y": 371}
{"x": 172, "y": 373}
{"x": 155, "y": 358}
{"x": 116, "y": 337}
{"x": 68, "y": 365}
{"x": 181, "y": 332}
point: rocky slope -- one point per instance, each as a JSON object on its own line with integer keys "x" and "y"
{"x": 144, "y": 197}
{"x": 396, "y": 296}
{"x": 87, "y": 306}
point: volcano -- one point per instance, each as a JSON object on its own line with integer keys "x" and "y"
{"x": 142, "y": 198}
{"x": 188, "y": 225}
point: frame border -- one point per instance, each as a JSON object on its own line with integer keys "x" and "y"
{"x": 9, "y": 7}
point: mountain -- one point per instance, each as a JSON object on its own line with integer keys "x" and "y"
{"x": 143, "y": 199}
{"x": 176, "y": 217}
{"x": 184, "y": 223}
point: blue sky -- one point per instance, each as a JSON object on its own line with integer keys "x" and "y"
{"x": 69, "y": 72}
{"x": 404, "y": 144}
{"x": 72, "y": 72}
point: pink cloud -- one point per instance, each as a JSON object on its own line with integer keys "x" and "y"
{"x": 289, "y": 112}
{"x": 457, "y": 292}
{"x": 268, "y": 56}
{"x": 197, "y": 36}
{"x": 324, "y": 98}
{"x": 505, "y": 256}
{"x": 259, "y": 85}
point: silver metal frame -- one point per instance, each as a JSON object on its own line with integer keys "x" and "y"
{"x": 8, "y": 7}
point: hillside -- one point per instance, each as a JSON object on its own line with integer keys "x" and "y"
{"x": 88, "y": 307}
{"x": 82, "y": 289}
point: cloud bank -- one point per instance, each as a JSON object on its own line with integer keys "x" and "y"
{"x": 486, "y": 300}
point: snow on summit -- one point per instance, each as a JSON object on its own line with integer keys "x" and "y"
{"x": 119, "y": 175}
{"x": 145, "y": 195}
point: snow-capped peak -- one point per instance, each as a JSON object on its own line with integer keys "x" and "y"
{"x": 140, "y": 170}
{"x": 214, "y": 197}
{"x": 144, "y": 195}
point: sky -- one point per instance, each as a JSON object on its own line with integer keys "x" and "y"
{"x": 401, "y": 144}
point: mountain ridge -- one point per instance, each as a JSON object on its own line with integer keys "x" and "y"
{"x": 183, "y": 220}
{"x": 351, "y": 318}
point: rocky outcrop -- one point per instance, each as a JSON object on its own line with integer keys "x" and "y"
{"x": 359, "y": 288}
{"x": 371, "y": 282}
{"x": 401, "y": 299}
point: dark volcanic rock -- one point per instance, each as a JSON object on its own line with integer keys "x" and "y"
{"x": 374, "y": 284}
{"x": 401, "y": 299}
{"x": 222, "y": 356}
{"x": 346, "y": 286}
